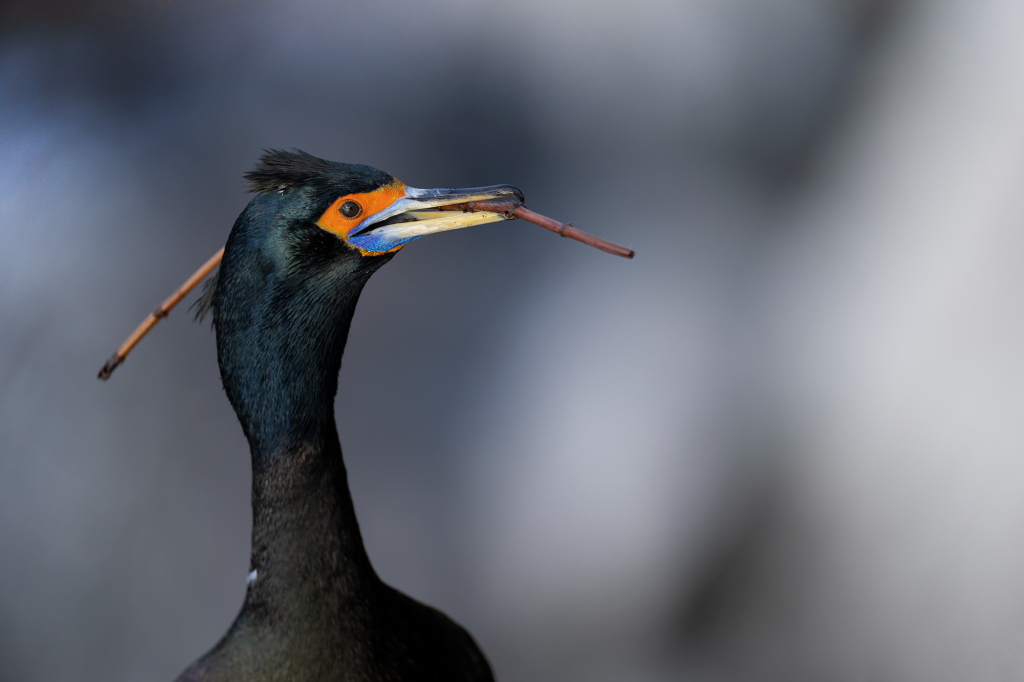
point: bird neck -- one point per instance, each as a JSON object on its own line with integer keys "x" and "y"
{"x": 307, "y": 551}
{"x": 280, "y": 343}
{"x": 308, "y": 559}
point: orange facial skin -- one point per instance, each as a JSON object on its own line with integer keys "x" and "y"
{"x": 371, "y": 202}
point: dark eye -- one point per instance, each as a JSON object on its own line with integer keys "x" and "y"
{"x": 350, "y": 209}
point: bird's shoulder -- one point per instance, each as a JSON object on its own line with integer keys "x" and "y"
{"x": 433, "y": 642}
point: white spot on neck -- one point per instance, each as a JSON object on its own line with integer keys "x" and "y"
{"x": 251, "y": 578}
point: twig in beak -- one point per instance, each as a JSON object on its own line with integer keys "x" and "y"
{"x": 514, "y": 209}
{"x": 511, "y": 209}
{"x": 161, "y": 312}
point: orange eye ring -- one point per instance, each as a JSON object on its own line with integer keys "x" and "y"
{"x": 336, "y": 219}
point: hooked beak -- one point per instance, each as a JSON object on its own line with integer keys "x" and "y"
{"x": 410, "y": 217}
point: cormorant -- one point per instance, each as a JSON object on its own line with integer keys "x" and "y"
{"x": 293, "y": 267}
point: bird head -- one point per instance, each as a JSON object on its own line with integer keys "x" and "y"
{"x": 367, "y": 210}
{"x": 294, "y": 265}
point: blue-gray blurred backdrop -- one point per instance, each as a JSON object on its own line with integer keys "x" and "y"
{"x": 786, "y": 442}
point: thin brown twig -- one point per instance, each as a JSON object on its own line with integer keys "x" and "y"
{"x": 158, "y": 314}
{"x": 511, "y": 209}
{"x": 514, "y": 209}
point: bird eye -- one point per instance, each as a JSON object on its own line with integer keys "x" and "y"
{"x": 350, "y": 209}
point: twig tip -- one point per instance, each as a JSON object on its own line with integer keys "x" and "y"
{"x": 109, "y": 366}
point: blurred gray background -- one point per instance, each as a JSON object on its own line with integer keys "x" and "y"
{"x": 786, "y": 442}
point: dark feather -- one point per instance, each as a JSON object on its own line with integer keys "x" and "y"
{"x": 204, "y": 304}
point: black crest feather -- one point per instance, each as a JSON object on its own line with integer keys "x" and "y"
{"x": 278, "y": 169}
